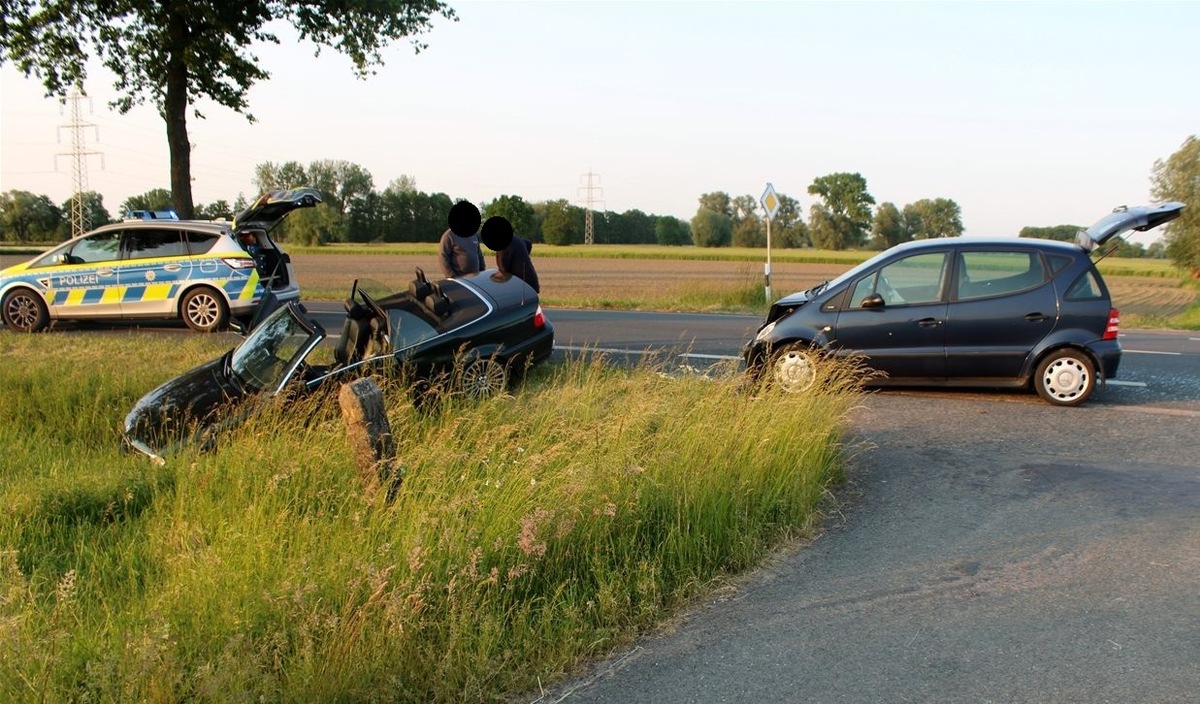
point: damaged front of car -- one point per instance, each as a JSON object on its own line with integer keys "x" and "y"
{"x": 195, "y": 406}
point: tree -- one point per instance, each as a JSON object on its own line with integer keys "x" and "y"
{"x": 718, "y": 202}
{"x": 516, "y": 211}
{"x": 25, "y": 217}
{"x": 1062, "y": 233}
{"x": 748, "y": 229}
{"x": 269, "y": 176}
{"x": 672, "y": 231}
{"x": 788, "y": 228}
{"x": 927, "y": 219}
{"x": 153, "y": 199}
{"x": 1178, "y": 179}
{"x": 845, "y": 214}
{"x": 216, "y": 210}
{"x": 94, "y": 213}
{"x": 171, "y": 53}
{"x": 562, "y": 223}
{"x": 711, "y": 229}
{"x": 888, "y": 228}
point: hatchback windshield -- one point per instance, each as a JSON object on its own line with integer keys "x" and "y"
{"x": 270, "y": 351}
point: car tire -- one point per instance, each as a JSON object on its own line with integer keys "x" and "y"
{"x": 204, "y": 310}
{"x": 1065, "y": 377}
{"x": 483, "y": 377}
{"x": 24, "y": 311}
{"x": 793, "y": 368}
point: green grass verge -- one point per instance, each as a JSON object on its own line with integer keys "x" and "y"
{"x": 532, "y": 531}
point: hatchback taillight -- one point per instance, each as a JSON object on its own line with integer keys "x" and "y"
{"x": 1114, "y": 322}
{"x": 239, "y": 262}
{"x": 539, "y": 318}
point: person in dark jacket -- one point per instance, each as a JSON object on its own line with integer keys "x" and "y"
{"x": 512, "y": 252}
{"x": 459, "y": 252}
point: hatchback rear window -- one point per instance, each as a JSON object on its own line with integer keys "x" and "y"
{"x": 199, "y": 242}
{"x": 1086, "y": 288}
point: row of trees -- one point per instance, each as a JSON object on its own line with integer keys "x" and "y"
{"x": 844, "y": 215}
{"x": 354, "y": 211}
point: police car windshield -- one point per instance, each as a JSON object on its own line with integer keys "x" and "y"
{"x": 264, "y": 359}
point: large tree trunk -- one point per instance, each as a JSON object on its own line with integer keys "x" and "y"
{"x": 175, "y": 105}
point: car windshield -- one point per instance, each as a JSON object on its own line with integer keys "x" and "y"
{"x": 271, "y": 350}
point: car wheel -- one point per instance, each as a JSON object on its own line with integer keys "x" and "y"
{"x": 1065, "y": 377}
{"x": 24, "y": 311}
{"x": 483, "y": 377}
{"x": 792, "y": 368}
{"x": 204, "y": 310}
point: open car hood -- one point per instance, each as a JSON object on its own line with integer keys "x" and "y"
{"x": 1125, "y": 218}
{"x": 270, "y": 208}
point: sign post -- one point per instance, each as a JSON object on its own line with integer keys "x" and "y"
{"x": 770, "y": 204}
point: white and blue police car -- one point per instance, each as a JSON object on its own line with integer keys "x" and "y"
{"x": 203, "y": 272}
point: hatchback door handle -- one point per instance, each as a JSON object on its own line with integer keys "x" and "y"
{"x": 929, "y": 322}
{"x": 1036, "y": 317}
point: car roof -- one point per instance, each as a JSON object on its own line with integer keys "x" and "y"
{"x": 215, "y": 227}
{"x": 991, "y": 241}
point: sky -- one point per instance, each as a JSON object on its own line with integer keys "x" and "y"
{"x": 1024, "y": 113}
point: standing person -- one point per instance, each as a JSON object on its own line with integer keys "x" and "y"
{"x": 512, "y": 253}
{"x": 459, "y": 252}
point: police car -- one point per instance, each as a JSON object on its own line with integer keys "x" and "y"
{"x": 201, "y": 271}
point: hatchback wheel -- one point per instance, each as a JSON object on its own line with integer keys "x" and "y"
{"x": 483, "y": 377}
{"x": 24, "y": 311}
{"x": 204, "y": 310}
{"x": 1065, "y": 377}
{"x": 793, "y": 368}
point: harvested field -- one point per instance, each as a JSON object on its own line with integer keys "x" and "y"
{"x": 573, "y": 279}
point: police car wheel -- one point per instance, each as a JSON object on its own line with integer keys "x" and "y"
{"x": 204, "y": 310}
{"x": 24, "y": 311}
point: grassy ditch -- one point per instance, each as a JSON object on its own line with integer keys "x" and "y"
{"x": 532, "y": 531}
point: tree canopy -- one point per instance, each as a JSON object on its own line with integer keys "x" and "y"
{"x": 930, "y": 218}
{"x": 842, "y": 219}
{"x": 172, "y": 53}
{"x": 1177, "y": 178}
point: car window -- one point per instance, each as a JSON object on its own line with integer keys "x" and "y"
{"x": 1085, "y": 288}
{"x": 103, "y": 247}
{"x": 408, "y": 328}
{"x": 910, "y": 281}
{"x": 199, "y": 242}
{"x": 997, "y": 273}
{"x": 147, "y": 243}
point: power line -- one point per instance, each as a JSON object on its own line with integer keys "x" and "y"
{"x": 592, "y": 193}
{"x": 80, "y": 217}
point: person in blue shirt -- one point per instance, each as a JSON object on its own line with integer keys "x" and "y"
{"x": 512, "y": 252}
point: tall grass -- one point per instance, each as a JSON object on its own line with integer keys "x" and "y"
{"x": 531, "y": 532}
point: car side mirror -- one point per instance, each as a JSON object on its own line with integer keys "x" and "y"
{"x": 236, "y": 326}
{"x": 872, "y": 301}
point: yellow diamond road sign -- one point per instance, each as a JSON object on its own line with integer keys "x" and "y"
{"x": 770, "y": 202}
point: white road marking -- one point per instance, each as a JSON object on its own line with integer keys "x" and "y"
{"x": 1119, "y": 382}
{"x": 612, "y": 350}
{"x": 1170, "y": 354}
{"x": 1181, "y": 412}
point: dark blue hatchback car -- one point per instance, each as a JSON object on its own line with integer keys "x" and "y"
{"x": 964, "y": 311}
